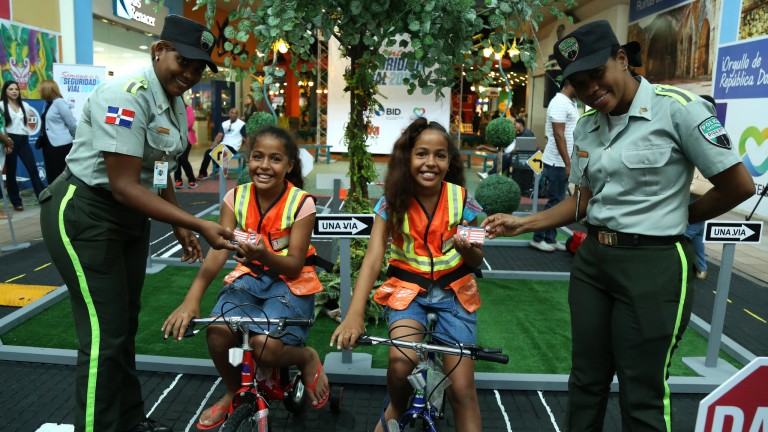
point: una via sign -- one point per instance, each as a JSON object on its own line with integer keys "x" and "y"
{"x": 733, "y": 232}
{"x": 344, "y": 225}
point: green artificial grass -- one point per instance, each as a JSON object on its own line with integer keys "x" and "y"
{"x": 528, "y": 320}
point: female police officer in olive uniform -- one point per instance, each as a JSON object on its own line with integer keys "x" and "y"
{"x": 633, "y": 162}
{"x": 95, "y": 222}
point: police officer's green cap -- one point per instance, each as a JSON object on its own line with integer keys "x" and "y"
{"x": 587, "y": 47}
{"x": 191, "y": 39}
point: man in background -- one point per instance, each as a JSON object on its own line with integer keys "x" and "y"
{"x": 562, "y": 116}
{"x": 231, "y": 135}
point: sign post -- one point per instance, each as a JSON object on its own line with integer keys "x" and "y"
{"x": 739, "y": 404}
{"x": 344, "y": 227}
{"x": 221, "y": 155}
{"x": 537, "y": 165}
{"x": 728, "y": 233}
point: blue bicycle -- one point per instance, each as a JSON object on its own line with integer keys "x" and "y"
{"x": 427, "y": 379}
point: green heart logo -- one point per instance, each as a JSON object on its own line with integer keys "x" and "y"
{"x": 753, "y": 133}
{"x": 419, "y": 112}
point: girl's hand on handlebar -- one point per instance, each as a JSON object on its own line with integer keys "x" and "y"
{"x": 178, "y": 320}
{"x": 347, "y": 332}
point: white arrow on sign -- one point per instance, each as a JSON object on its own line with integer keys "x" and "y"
{"x": 741, "y": 232}
{"x": 352, "y": 226}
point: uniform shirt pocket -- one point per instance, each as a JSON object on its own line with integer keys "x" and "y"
{"x": 644, "y": 177}
{"x": 161, "y": 143}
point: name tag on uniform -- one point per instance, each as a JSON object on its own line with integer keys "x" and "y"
{"x": 161, "y": 174}
{"x": 164, "y": 131}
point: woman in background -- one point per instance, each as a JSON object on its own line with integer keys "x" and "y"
{"x": 249, "y": 107}
{"x": 58, "y": 130}
{"x": 16, "y": 113}
{"x": 183, "y": 162}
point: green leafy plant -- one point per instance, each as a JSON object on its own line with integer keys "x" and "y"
{"x": 498, "y": 194}
{"x": 327, "y": 301}
{"x": 258, "y": 121}
{"x": 435, "y": 39}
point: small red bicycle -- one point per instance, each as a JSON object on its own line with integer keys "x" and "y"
{"x": 249, "y": 408}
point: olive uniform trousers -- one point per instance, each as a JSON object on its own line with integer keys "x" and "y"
{"x": 629, "y": 308}
{"x": 100, "y": 247}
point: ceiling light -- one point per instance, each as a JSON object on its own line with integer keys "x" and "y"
{"x": 143, "y": 47}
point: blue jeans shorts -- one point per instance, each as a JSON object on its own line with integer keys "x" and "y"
{"x": 454, "y": 323}
{"x": 265, "y": 297}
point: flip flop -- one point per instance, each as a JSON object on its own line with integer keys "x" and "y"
{"x": 311, "y": 387}
{"x": 214, "y": 410}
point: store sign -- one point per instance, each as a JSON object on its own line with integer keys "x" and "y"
{"x": 132, "y": 10}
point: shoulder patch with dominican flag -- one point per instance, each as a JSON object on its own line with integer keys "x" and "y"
{"x": 119, "y": 116}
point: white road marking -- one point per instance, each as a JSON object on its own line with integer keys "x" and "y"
{"x": 202, "y": 405}
{"x": 503, "y": 411}
{"x": 549, "y": 411}
{"x": 165, "y": 393}
{"x": 51, "y": 427}
{"x": 486, "y": 264}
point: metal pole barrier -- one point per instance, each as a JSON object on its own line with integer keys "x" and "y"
{"x": 536, "y": 179}
{"x": 345, "y": 268}
{"x": 721, "y": 301}
{"x": 13, "y": 246}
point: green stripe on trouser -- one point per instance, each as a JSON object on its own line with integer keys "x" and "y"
{"x": 100, "y": 247}
{"x": 629, "y": 309}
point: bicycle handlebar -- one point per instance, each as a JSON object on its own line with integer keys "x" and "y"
{"x": 472, "y": 351}
{"x": 280, "y": 323}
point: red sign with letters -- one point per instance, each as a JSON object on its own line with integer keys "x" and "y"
{"x": 739, "y": 404}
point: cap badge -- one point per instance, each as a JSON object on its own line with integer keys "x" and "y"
{"x": 206, "y": 41}
{"x": 569, "y": 48}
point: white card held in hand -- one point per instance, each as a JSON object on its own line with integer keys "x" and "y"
{"x": 245, "y": 237}
{"x": 474, "y": 234}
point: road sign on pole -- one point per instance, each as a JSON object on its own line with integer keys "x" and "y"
{"x": 536, "y": 163}
{"x": 343, "y": 225}
{"x": 221, "y": 155}
{"x": 739, "y": 404}
{"x": 733, "y": 232}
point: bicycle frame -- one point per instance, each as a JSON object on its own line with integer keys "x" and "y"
{"x": 420, "y": 406}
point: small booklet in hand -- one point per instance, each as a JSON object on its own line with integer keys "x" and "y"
{"x": 474, "y": 234}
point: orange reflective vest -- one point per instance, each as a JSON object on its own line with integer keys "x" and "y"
{"x": 423, "y": 254}
{"x": 275, "y": 229}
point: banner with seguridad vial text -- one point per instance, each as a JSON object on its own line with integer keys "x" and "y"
{"x": 76, "y": 82}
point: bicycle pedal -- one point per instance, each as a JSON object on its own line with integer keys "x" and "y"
{"x": 393, "y": 426}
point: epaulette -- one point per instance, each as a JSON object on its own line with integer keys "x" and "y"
{"x": 680, "y": 95}
{"x": 134, "y": 84}
{"x": 588, "y": 113}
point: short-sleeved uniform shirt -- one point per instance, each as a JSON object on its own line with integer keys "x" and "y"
{"x": 130, "y": 116}
{"x": 640, "y": 178}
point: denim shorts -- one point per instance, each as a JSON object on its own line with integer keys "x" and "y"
{"x": 265, "y": 297}
{"x": 454, "y": 323}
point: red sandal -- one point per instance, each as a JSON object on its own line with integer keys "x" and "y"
{"x": 214, "y": 410}
{"x": 313, "y": 386}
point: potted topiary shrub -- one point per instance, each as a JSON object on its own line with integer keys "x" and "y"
{"x": 498, "y": 194}
{"x": 500, "y": 133}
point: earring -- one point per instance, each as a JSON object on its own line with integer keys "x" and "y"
{"x": 157, "y": 58}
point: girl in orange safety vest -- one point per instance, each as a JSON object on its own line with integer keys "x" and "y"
{"x": 431, "y": 267}
{"x": 275, "y": 276}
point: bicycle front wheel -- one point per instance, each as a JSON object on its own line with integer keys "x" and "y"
{"x": 247, "y": 418}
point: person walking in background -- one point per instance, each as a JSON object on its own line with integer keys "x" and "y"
{"x": 249, "y": 107}
{"x": 630, "y": 286}
{"x": 562, "y": 116}
{"x": 231, "y": 135}
{"x": 16, "y": 113}
{"x": 6, "y": 146}
{"x": 183, "y": 161}
{"x": 57, "y": 131}
{"x": 95, "y": 219}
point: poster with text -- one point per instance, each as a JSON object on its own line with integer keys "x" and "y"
{"x": 76, "y": 83}
{"x": 26, "y": 56}
{"x": 740, "y": 83}
{"x": 399, "y": 108}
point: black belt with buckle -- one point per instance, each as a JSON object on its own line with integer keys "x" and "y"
{"x": 609, "y": 237}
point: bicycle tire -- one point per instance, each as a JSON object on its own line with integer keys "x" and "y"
{"x": 296, "y": 399}
{"x": 244, "y": 419}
